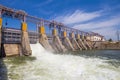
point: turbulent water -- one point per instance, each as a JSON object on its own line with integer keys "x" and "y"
{"x": 85, "y": 65}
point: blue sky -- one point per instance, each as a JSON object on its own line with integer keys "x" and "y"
{"x": 102, "y": 16}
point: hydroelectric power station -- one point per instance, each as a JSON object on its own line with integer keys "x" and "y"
{"x": 60, "y": 39}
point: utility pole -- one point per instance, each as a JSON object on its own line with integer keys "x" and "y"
{"x": 118, "y": 35}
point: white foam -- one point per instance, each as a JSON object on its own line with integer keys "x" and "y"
{"x": 50, "y": 66}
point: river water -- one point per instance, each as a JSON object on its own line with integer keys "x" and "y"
{"x": 80, "y": 65}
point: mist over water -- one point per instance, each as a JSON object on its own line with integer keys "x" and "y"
{"x": 49, "y": 66}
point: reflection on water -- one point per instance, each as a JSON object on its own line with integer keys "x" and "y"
{"x": 3, "y": 70}
{"x": 83, "y": 65}
{"x": 103, "y": 54}
{"x": 113, "y": 56}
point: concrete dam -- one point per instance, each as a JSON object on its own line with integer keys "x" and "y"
{"x": 60, "y": 38}
{"x": 35, "y": 48}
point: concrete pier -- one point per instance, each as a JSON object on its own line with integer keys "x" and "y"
{"x": 66, "y": 42}
{"x": 86, "y": 43}
{"x": 44, "y": 40}
{"x": 12, "y": 49}
{"x": 79, "y": 41}
{"x": 57, "y": 42}
{"x": 25, "y": 43}
{"x": 91, "y": 43}
{"x": 74, "y": 42}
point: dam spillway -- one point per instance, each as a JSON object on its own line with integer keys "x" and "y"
{"x": 59, "y": 39}
{"x": 49, "y": 38}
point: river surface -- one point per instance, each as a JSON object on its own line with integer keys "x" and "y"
{"x": 80, "y": 65}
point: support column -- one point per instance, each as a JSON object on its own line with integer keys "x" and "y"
{"x": 74, "y": 42}
{"x": 81, "y": 44}
{"x": 90, "y": 42}
{"x": 66, "y": 41}
{"x": 43, "y": 39}
{"x": 85, "y": 42}
{"x": 64, "y": 34}
{"x": 0, "y": 33}
{"x": 25, "y": 43}
{"x": 57, "y": 42}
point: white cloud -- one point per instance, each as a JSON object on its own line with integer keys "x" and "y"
{"x": 78, "y": 16}
{"x": 106, "y": 27}
{"x": 98, "y": 24}
{"x": 44, "y": 3}
{"x": 97, "y": 21}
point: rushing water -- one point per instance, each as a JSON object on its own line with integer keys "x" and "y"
{"x": 83, "y": 65}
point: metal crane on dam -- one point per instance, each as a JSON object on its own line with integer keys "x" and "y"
{"x": 17, "y": 41}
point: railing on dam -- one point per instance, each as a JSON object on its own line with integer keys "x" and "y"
{"x": 10, "y": 35}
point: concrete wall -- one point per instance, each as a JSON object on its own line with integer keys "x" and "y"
{"x": 12, "y": 49}
{"x": 107, "y": 45}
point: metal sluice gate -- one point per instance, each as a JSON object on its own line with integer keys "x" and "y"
{"x": 13, "y": 36}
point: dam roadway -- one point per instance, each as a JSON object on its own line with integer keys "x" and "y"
{"x": 59, "y": 38}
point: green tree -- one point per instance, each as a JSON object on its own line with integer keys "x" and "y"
{"x": 110, "y": 40}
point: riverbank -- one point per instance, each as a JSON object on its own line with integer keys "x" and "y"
{"x": 107, "y": 45}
